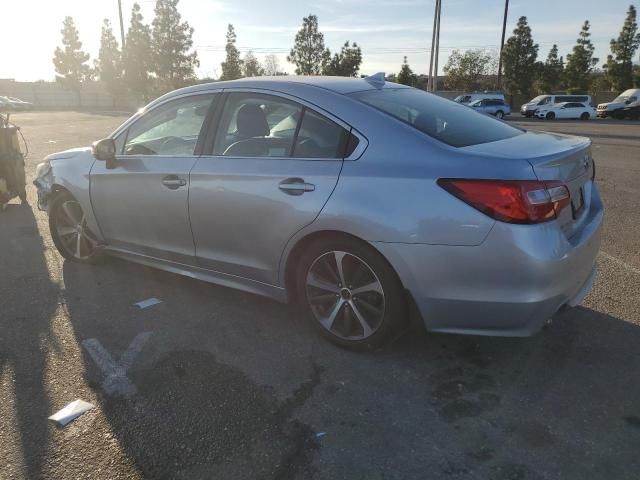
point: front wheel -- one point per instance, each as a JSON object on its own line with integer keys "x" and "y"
{"x": 499, "y": 114}
{"x": 69, "y": 230}
{"x": 550, "y": 116}
{"x": 351, "y": 294}
{"x": 584, "y": 116}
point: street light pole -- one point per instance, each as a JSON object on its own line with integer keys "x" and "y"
{"x": 121, "y": 23}
{"x": 504, "y": 28}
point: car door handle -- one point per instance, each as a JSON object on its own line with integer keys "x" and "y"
{"x": 173, "y": 182}
{"x": 296, "y": 186}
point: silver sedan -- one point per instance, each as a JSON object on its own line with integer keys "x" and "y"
{"x": 361, "y": 199}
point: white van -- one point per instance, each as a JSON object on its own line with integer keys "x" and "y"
{"x": 625, "y": 99}
{"x": 529, "y": 109}
{"x": 467, "y": 98}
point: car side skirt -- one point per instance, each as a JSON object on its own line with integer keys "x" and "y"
{"x": 209, "y": 276}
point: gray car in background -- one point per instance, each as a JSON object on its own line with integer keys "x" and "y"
{"x": 357, "y": 198}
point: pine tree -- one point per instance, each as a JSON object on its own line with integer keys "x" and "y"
{"x": 519, "y": 58}
{"x": 580, "y": 61}
{"x": 346, "y": 63}
{"x": 623, "y": 49}
{"x": 551, "y": 75}
{"x": 308, "y": 53}
{"x": 251, "y": 66}
{"x": 70, "y": 61}
{"x": 406, "y": 75}
{"x": 171, "y": 40}
{"x": 136, "y": 56}
{"x": 108, "y": 66}
{"x": 232, "y": 66}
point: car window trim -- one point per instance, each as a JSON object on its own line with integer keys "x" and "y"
{"x": 211, "y": 135}
{"x": 126, "y": 127}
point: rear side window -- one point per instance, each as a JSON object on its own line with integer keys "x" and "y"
{"x": 260, "y": 125}
{"x": 319, "y": 137}
{"x": 444, "y": 120}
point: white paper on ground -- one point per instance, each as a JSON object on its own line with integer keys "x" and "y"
{"x": 148, "y": 302}
{"x": 70, "y": 412}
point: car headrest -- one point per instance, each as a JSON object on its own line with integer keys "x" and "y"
{"x": 252, "y": 122}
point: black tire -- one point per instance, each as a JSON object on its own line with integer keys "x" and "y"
{"x": 500, "y": 114}
{"x": 584, "y": 116}
{"x": 389, "y": 303}
{"x": 59, "y": 218}
{"x": 550, "y": 116}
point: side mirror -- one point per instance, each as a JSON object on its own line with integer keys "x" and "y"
{"x": 105, "y": 150}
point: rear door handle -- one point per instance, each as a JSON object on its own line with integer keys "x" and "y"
{"x": 173, "y": 182}
{"x": 296, "y": 186}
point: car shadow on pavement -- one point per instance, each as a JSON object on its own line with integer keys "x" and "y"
{"x": 26, "y": 339}
{"x": 209, "y": 400}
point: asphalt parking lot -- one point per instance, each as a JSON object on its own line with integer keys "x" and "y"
{"x": 226, "y": 385}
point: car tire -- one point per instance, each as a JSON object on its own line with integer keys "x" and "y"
{"x": 69, "y": 230}
{"x": 359, "y": 306}
{"x": 500, "y": 114}
{"x": 584, "y": 116}
{"x": 550, "y": 116}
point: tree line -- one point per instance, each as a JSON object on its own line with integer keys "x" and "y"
{"x": 525, "y": 74}
{"x": 160, "y": 57}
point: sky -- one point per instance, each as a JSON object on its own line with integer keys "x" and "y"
{"x": 387, "y": 30}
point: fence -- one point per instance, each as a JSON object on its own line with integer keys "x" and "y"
{"x": 52, "y": 95}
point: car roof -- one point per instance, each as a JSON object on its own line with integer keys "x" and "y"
{"x": 341, "y": 85}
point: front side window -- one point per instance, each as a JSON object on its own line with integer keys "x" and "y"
{"x": 170, "y": 129}
{"x": 544, "y": 101}
{"x": 444, "y": 120}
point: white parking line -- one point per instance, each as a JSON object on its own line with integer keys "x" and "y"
{"x": 116, "y": 381}
{"x": 622, "y": 263}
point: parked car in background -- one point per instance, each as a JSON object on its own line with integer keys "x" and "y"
{"x": 628, "y": 98}
{"x": 491, "y": 106}
{"x": 530, "y": 108}
{"x": 580, "y": 110}
{"x": 5, "y": 104}
{"x": 20, "y": 105}
{"x": 467, "y": 98}
{"x": 277, "y": 187}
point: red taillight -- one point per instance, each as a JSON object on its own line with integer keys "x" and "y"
{"x": 511, "y": 201}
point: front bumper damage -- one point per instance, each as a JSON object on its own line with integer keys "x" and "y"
{"x": 44, "y": 186}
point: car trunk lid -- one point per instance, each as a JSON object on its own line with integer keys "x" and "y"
{"x": 553, "y": 157}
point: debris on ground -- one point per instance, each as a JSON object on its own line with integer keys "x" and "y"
{"x": 70, "y": 412}
{"x": 148, "y": 302}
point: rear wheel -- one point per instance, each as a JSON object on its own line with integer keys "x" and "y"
{"x": 550, "y": 116}
{"x": 350, "y": 293}
{"x": 499, "y": 114}
{"x": 69, "y": 230}
{"x": 584, "y": 116}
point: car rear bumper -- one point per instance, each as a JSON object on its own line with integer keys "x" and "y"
{"x": 510, "y": 285}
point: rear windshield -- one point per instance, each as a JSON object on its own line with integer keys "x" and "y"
{"x": 450, "y": 122}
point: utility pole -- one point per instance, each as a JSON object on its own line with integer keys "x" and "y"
{"x": 504, "y": 28}
{"x": 121, "y": 23}
{"x": 433, "y": 42}
{"x": 435, "y": 67}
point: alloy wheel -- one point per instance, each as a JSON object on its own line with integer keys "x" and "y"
{"x": 72, "y": 230}
{"x": 345, "y": 295}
